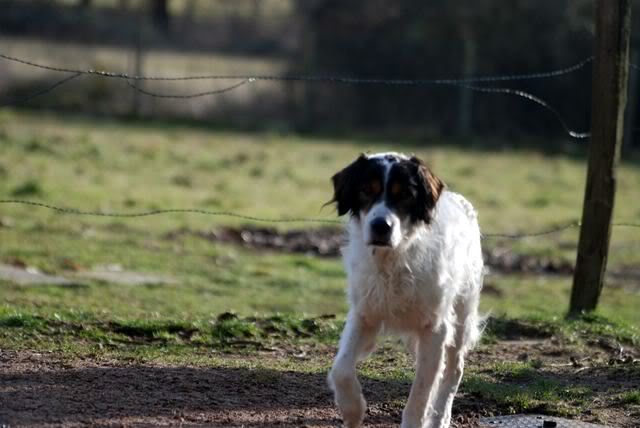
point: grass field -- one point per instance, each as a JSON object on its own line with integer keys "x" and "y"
{"x": 279, "y": 298}
{"x": 113, "y": 166}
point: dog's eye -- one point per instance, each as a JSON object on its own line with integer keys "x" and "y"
{"x": 370, "y": 190}
{"x": 400, "y": 192}
{"x": 366, "y": 192}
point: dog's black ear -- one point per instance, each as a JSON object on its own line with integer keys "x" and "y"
{"x": 430, "y": 188}
{"x": 345, "y": 187}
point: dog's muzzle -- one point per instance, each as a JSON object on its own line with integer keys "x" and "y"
{"x": 381, "y": 229}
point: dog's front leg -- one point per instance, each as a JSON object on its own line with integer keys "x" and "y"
{"x": 358, "y": 339}
{"x": 429, "y": 364}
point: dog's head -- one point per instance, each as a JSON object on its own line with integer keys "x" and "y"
{"x": 388, "y": 194}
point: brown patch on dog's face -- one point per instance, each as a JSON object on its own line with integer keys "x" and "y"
{"x": 371, "y": 188}
{"x": 429, "y": 190}
{"x": 395, "y": 189}
{"x": 412, "y": 190}
{"x": 358, "y": 186}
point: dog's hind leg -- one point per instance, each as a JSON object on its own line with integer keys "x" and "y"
{"x": 452, "y": 375}
{"x": 358, "y": 339}
{"x": 467, "y": 332}
{"x": 411, "y": 343}
{"x": 429, "y": 365}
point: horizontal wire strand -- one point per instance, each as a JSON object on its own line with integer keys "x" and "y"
{"x": 530, "y": 97}
{"x": 561, "y": 228}
{"x": 185, "y": 96}
{"x": 75, "y": 211}
{"x": 463, "y": 82}
{"x": 330, "y": 79}
{"x": 40, "y": 92}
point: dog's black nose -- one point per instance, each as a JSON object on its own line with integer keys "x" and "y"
{"x": 381, "y": 230}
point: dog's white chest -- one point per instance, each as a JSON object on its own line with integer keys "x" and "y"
{"x": 401, "y": 295}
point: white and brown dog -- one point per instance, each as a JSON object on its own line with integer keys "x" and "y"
{"x": 414, "y": 266}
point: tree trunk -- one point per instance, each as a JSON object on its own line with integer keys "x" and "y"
{"x": 305, "y": 93}
{"x": 609, "y": 88}
{"x": 138, "y": 61}
{"x": 465, "y": 95}
{"x": 188, "y": 14}
{"x": 256, "y": 10}
{"x": 160, "y": 14}
{"x": 630, "y": 136}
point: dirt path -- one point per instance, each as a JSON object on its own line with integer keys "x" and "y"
{"x": 41, "y": 390}
{"x": 46, "y": 390}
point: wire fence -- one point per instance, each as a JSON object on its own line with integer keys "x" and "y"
{"x": 75, "y": 211}
{"x": 470, "y": 83}
{"x": 327, "y": 79}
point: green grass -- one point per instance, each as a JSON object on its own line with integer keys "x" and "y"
{"x": 548, "y": 297}
{"x": 81, "y": 332}
{"x": 110, "y": 165}
{"x": 630, "y": 397}
{"x": 514, "y": 370}
{"x": 85, "y": 333}
{"x": 578, "y": 331}
{"x": 114, "y": 165}
{"x": 210, "y": 279}
{"x": 535, "y": 394}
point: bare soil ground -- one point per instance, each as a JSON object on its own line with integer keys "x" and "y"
{"x": 326, "y": 242}
{"x": 45, "y": 389}
{"x": 42, "y": 390}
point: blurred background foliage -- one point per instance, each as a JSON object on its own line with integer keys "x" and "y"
{"x": 366, "y": 38}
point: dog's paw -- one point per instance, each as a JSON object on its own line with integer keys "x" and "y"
{"x": 348, "y": 396}
{"x": 352, "y": 412}
{"x": 418, "y": 421}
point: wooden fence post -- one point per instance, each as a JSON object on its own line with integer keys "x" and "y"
{"x": 609, "y": 96}
{"x": 632, "y": 99}
{"x": 138, "y": 60}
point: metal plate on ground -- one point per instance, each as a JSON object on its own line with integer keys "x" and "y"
{"x": 534, "y": 421}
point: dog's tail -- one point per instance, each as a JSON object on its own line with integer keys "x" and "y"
{"x": 476, "y": 331}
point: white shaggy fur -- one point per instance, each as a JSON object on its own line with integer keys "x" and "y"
{"x": 424, "y": 287}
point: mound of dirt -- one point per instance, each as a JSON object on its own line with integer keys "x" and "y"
{"x": 326, "y": 242}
